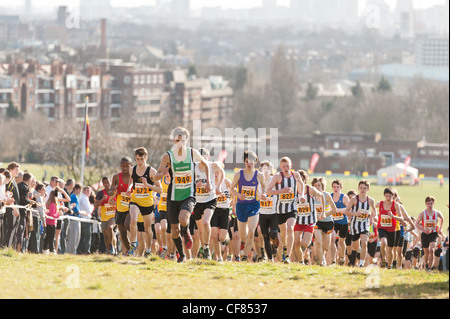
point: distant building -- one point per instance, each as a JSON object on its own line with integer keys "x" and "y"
{"x": 209, "y": 100}
{"x": 360, "y": 152}
{"x": 9, "y": 27}
{"x": 114, "y": 89}
{"x": 432, "y": 50}
{"x": 404, "y": 17}
{"x": 400, "y": 74}
{"x": 90, "y": 10}
{"x": 180, "y": 9}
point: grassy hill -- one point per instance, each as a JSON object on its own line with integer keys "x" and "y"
{"x": 27, "y": 276}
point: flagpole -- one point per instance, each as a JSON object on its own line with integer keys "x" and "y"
{"x": 83, "y": 148}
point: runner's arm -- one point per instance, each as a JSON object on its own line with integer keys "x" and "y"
{"x": 163, "y": 168}
{"x": 233, "y": 186}
{"x": 333, "y": 209}
{"x": 204, "y": 166}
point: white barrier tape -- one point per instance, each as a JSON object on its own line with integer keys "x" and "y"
{"x": 28, "y": 208}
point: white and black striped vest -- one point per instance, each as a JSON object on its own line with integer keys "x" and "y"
{"x": 360, "y": 224}
{"x": 307, "y": 211}
{"x": 287, "y": 202}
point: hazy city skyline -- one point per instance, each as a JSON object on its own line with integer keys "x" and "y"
{"x": 198, "y": 4}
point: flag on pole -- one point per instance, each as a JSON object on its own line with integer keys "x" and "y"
{"x": 223, "y": 156}
{"x": 88, "y": 135}
{"x": 407, "y": 163}
{"x": 314, "y": 160}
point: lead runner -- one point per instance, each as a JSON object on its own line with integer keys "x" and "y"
{"x": 179, "y": 162}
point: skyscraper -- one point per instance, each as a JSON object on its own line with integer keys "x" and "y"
{"x": 301, "y": 8}
{"x": 90, "y": 9}
{"x": 180, "y": 9}
{"x": 404, "y": 17}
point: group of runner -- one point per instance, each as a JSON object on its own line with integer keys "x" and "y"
{"x": 263, "y": 215}
{"x": 188, "y": 208}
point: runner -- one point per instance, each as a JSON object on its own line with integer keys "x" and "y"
{"x": 143, "y": 184}
{"x": 429, "y": 223}
{"x": 324, "y": 226}
{"x": 247, "y": 181}
{"x": 268, "y": 221}
{"x": 410, "y": 241}
{"x": 406, "y": 226}
{"x": 372, "y": 245}
{"x": 234, "y": 231}
{"x": 107, "y": 215}
{"x": 119, "y": 190}
{"x": 389, "y": 217}
{"x": 362, "y": 209}
{"x": 165, "y": 226}
{"x": 307, "y": 218}
{"x": 287, "y": 185}
{"x": 220, "y": 219}
{"x": 206, "y": 201}
{"x": 179, "y": 162}
{"x": 340, "y": 219}
{"x": 348, "y": 239}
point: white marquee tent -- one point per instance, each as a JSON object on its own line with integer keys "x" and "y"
{"x": 391, "y": 173}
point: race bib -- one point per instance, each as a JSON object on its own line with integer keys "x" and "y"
{"x": 430, "y": 225}
{"x": 338, "y": 216}
{"x": 319, "y": 208}
{"x": 221, "y": 199}
{"x": 125, "y": 200}
{"x": 140, "y": 191}
{"x": 287, "y": 198}
{"x": 364, "y": 215}
{"x": 183, "y": 180}
{"x": 266, "y": 204}
{"x": 202, "y": 192}
{"x": 385, "y": 221}
{"x": 163, "y": 199}
{"x": 304, "y": 210}
{"x": 249, "y": 192}
{"x": 110, "y": 210}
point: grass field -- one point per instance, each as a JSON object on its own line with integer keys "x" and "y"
{"x": 26, "y": 276}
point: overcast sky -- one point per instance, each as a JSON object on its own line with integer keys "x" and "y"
{"x": 195, "y": 4}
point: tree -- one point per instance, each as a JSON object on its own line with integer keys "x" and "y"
{"x": 357, "y": 90}
{"x": 311, "y": 92}
{"x": 192, "y": 71}
{"x": 12, "y": 112}
{"x": 282, "y": 89}
{"x": 384, "y": 85}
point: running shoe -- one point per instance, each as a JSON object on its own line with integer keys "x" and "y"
{"x": 188, "y": 240}
{"x": 287, "y": 260}
{"x": 206, "y": 254}
{"x": 133, "y": 249}
{"x": 181, "y": 259}
{"x": 163, "y": 253}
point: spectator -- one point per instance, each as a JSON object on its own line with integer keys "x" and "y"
{"x": 64, "y": 224}
{"x": 54, "y": 213}
{"x": 73, "y": 238}
{"x": 96, "y": 230}
{"x": 84, "y": 247}
{"x": 10, "y": 226}
{"x": 34, "y": 245}
{"x": 5, "y": 199}
{"x": 24, "y": 200}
